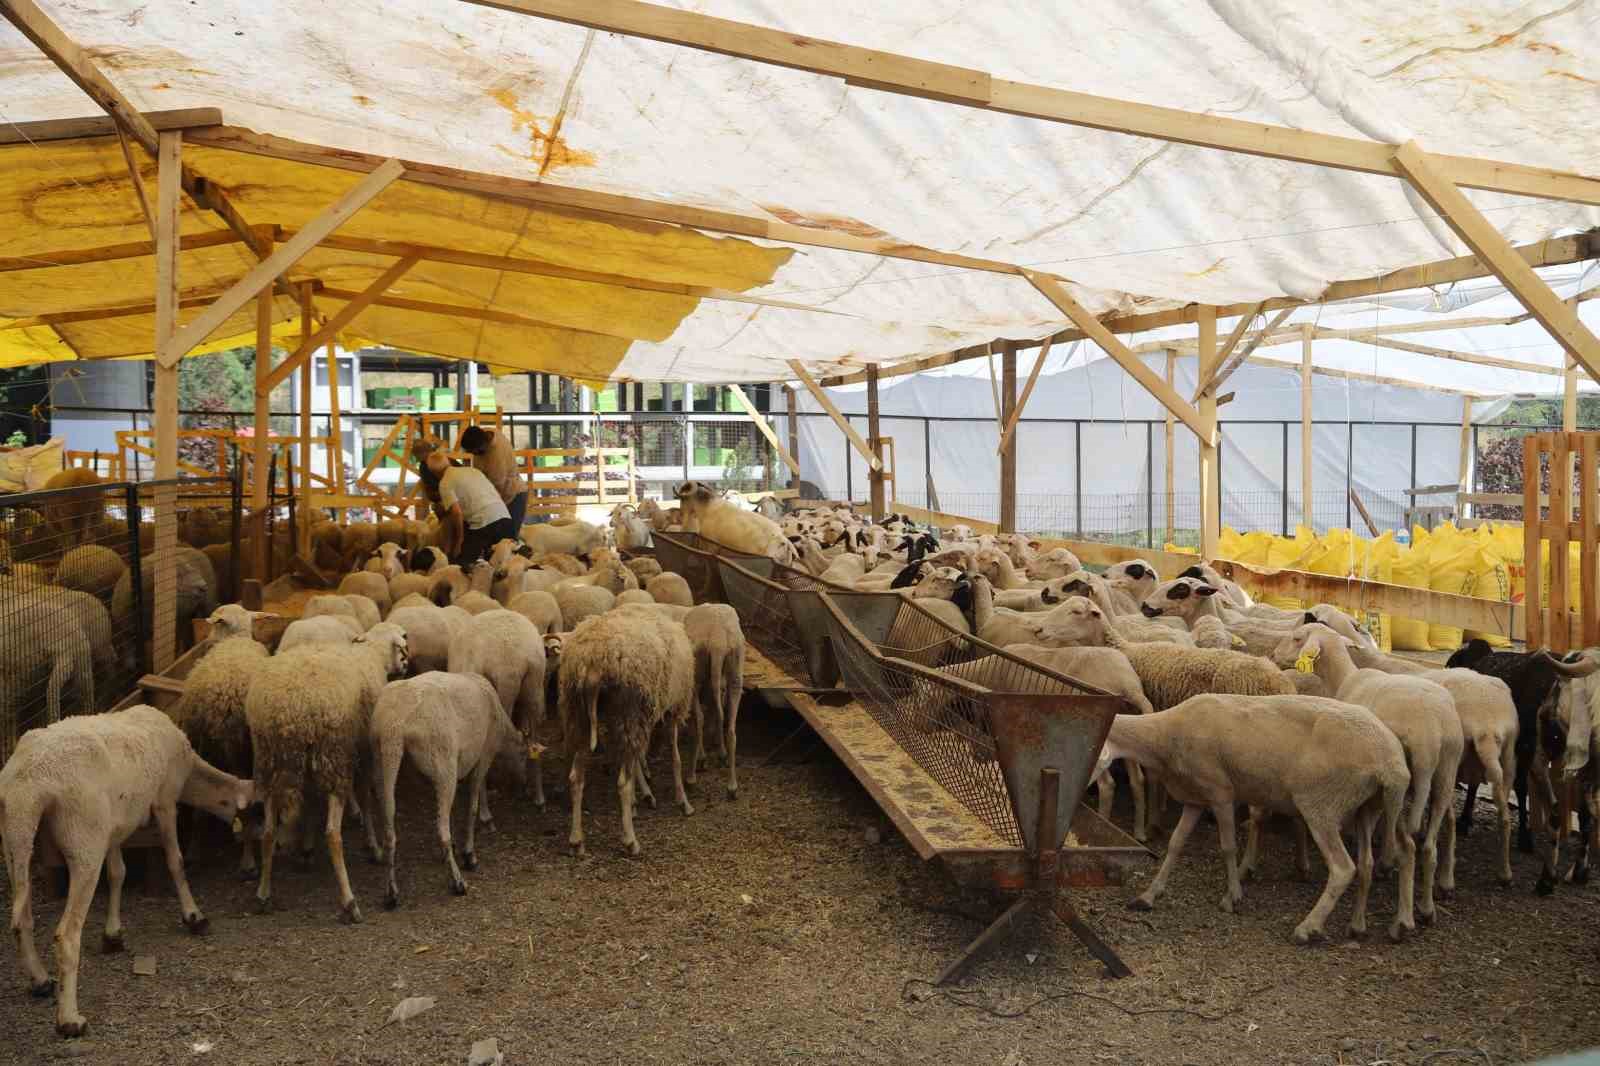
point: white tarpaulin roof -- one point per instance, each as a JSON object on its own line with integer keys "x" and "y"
{"x": 1133, "y": 222}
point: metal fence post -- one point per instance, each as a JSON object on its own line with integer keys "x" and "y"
{"x": 849, "y": 473}
{"x": 688, "y": 440}
{"x": 1284, "y": 493}
{"x": 1149, "y": 485}
{"x": 237, "y": 508}
{"x": 1349, "y": 467}
{"x": 1077, "y": 478}
{"x": 136, "y": 579}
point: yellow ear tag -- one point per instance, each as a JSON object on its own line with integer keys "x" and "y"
{"x": 535, "y": 750}
{"x": 238, "y": 826}
{"x": 1307, "y": 663}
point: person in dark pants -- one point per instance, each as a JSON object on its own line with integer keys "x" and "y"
{"x": 467, "y": 496}
{"x": 491, "y": 452}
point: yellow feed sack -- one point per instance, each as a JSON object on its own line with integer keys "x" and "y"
{"x": 1409, "y": 568}
{"x": 1471, "y": 571}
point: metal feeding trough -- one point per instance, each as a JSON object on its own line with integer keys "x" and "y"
{"x": 694, "y": 558}
{"x": 1012, "y": 743}
{"x": 780, "y": 609}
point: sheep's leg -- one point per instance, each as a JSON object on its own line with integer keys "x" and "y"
{"x": 480, "y": 793}
{"x": 679, "y": 795}
{"x": 348, "y": 911}
{"x": 1446, "y": 884}
{"x": 1180, "y": 836}
{"x": 625, "y": 775}
{"x": 1106, "y": 786}
{"x": 1464, "y": 821}
{"x": 1579, "y": 873}
{"x": 444, "y": 794}
{"x": 19, "y": 857}
{"x": 1340, "y": 872}
{"x": 1252, "y": 843}
{"x": 389, "y": 773}
{"x": 247, "y": 851}
{"x": 1224, "y": 815}
{"x": 366, "y": 784}
{"x": 269, "y": 834}
{"x": 580, "y": 761}
{"x": 1302, "y": 849}
{"x": 1364, "y": 822}
{"x": 116, "y": 871}
{"x": 1141, "y": 813}
{"x": 641, "y": 781}
{"x": 1444, "y": 787}
{"x": 83, "y": 871}
{"x": 1520, "y": 783}
{"x": 1499, "y": 771}
{"x": 1546, "y": 820}
{"x": 167, "y": 823}
{"x": 733, "y": 687}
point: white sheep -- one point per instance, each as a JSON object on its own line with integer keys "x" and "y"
{"x": 563, "y": 535}
{"x": 718, "y": 641}
{"x": 374, "y": 587}
{"x": 475, "y": 602}
{"x": 1326, "y": 761}
{"x": 361, "y": 608}
{"x": 631, "y": 597}
{"x": 627, "y": 670}
{"x": 670, "y": 588}
{"x": 429, "y": 559}
{"x": 582, "y": 602}
{"x": 1057, "y": 562}
{"x": 196, "y": 593}
{"x": 89, "y": 782}
{"x": 630, "y": 532}
{"x": 644, "y": 568}
{"x": 1422, "y": 715}
{"x": 722, "y": 522}
{"x": 543, "y": 611}
{"x": 91, "y": 568}
{"x": 508, "y": 650}
{"x": 27, "y": 662}
{"x": 410, "y": 583}
{"x": 389, "y": 561}
{"x": 411, "y": 599}
{"x": 1131, "y": 581}
{"x": 1043, "y": 598}
{"x": 323, "y": 629}
{"x": 429, "y": 631}
{"x": 309, "y": 712}
{"x": 453, "y": 727}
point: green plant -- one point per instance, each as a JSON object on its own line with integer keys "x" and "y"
{"x": 18, "y": 439}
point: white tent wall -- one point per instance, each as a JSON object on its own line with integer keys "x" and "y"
{"x": 1118, "y": 489}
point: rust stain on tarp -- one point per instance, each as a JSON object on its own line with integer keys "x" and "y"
{"x": 548, "y": 149}
{"x": 837, "y": 223}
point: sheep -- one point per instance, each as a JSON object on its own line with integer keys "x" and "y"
{"x": 89, "y": 782}
{"x": 448, "y": 583}
{"x": 629, "y": 669}
{"x": 359, "y": 542}
{"x": 670, "y": 588}
{"x": 996, "y": 565}
{"x": 429, "y": 559}
{"x": 1423, "y": 716}
{"x": 406, "y": 584}
{"x": 644, "y": 568}
{"x": 475, "y": 602}
{"x": 389, "y": 560}
{"x": 722, "y": 522}
{"x": 323, "y": 629}
{"x": 563, "y": 535}
{"x": 1043, "y": 598}
{"x": 508, "y": 650}
{"x": 411, "y": 599}
{"x": 582, "y": 602}
{"x": 505, "y": 548}
{"x": 1489, "y": 731}
{"x": 395, "y": 531}
{"x": 309, "y": 711}
{"x": 196, "y": 593}
{"x": 635, "y": 597}
{"x": 1057, "y": 562}
{"x": 1572, "y": 713}
{"x": 508, "y": 578}
{"x": 1131, "y": 581}
{"x": 1232, "y": 594}
{"x": 610, "y": 575}
{"x": 1190, "y": 598}
{"x": 429, "y": 631}
{"x": 327, "y": 545}
{"x": 631, "y": 532}
{"x": 374, "y": 587}
{"x": 562, "y": 563}
{"x": 1323, "y": 760}
{"x": 65, "y": 659}
{"x": 718, "y": 642}
{"x": 1209, "y": 632}
{"x": 91, "y": 568}
{"x": 361, "y": 608}
{"x": 453, "y": 727}
{"x": 1125, "y": 615}
{"x": 211, "y": 710}
{"x": 543, "y": 611}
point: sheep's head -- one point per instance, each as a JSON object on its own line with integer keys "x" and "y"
{"x": 391, "y": 559}
{"x": 553, "y": 643}
{"x": 427, "y": 560}
{"x": 1057, "y": 562}
{"x": 217, "y": 793}
{"x": 1182, "y": 597}
{"x": 1341, "y": 624}
{"x": 992, "y": 563}
{"x": 1566, "y": 718}
{"x": 1134, "y": 576}
{"x": 1309, "y": 640}
{"x": 909, "y": 576}
{"x": 941, "y": 583}
{"x": 481, "y": 577}
{"x": 390, "y": 641}
{"x": 1056, "y": 591}
{"x": 1077, "y": 622}
{"x": 232, "y": 620}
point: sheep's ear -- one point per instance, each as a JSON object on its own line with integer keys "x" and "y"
{"x": 1135, "y": 571}
{"x": 1180, "y": 591}
{"x": 1309, "y": 618}
{"x": 1208, "y": 590}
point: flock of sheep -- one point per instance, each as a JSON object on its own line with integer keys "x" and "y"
{"x": 1293, "y": 712}
{"x": 412, "y": 658}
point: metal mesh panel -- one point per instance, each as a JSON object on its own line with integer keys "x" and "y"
{"x": 70, "y": 641}
{"x": 764, "y": 593}
{"x": 887, "y": 648}
{"x": 694, "y": 558}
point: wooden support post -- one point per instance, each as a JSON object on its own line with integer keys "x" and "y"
{"x": 855, "y": 439}
{"x": 1560, "y": 632}
{"x": 335, "y": 430}
{"x": 1027, "y": 390}
{"x": 1210, "y": 474}
{"x": 1307, "y": 513}
{"x": 1569, "y": 408}
{"x": 163, "y": 636}
{"x": 303, "y": 534}
{"x": 875, "y": 439}
{"x": 1172, "y": 365}
{"x": 794, "y": 430}
{"x": 1588, "y": 504}
{"x": 1465, "y": 479}
{"x": 1534, "y": 629}
{"x": 261, "y": 442}
{"x": 1008, "y": 455}
{"x": 760, "y": 421}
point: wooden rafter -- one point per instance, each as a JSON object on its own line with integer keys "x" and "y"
{"x": 338, "y": 321}
{"x": 760, "y": 421}
{"x": 849, "y": 431}
{"x": 1461, "y": 357}
{"x": 480, "y": 314}
{"x": 1229, "y": 365}
{"x": 282, "y": 258}
{"x": 1239, "y": 330}
{"x": 1022, "y": 401}
{"x": 904, "y": 75}
{"x": 1437, "y": 180}
{"x": 129, "y": 250}
{"x": 1058, "y": 295}
{"x": 71, "y": 129}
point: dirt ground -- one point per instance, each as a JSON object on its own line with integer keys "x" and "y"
{"x": 771, "y": 929}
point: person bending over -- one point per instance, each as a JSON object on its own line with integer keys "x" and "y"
{"x": 474, "y": 505}
{"x": 491, "y": 453}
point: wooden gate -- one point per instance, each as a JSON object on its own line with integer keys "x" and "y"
{"x": 1558, "y": 450}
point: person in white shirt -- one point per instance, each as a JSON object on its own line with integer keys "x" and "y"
{"x": 473, "y": 501}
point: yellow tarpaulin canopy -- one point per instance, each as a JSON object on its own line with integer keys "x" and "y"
{"x": 64, "y": 196}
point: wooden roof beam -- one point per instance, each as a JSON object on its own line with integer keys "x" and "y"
{"x": 1462, "y": 357}
{"x": 132, "y": 250}
{"x": 72, "y": 129}
{"x": 907, "y": 76}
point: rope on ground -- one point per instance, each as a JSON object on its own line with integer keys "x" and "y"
{"x": 961, "y": 998}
